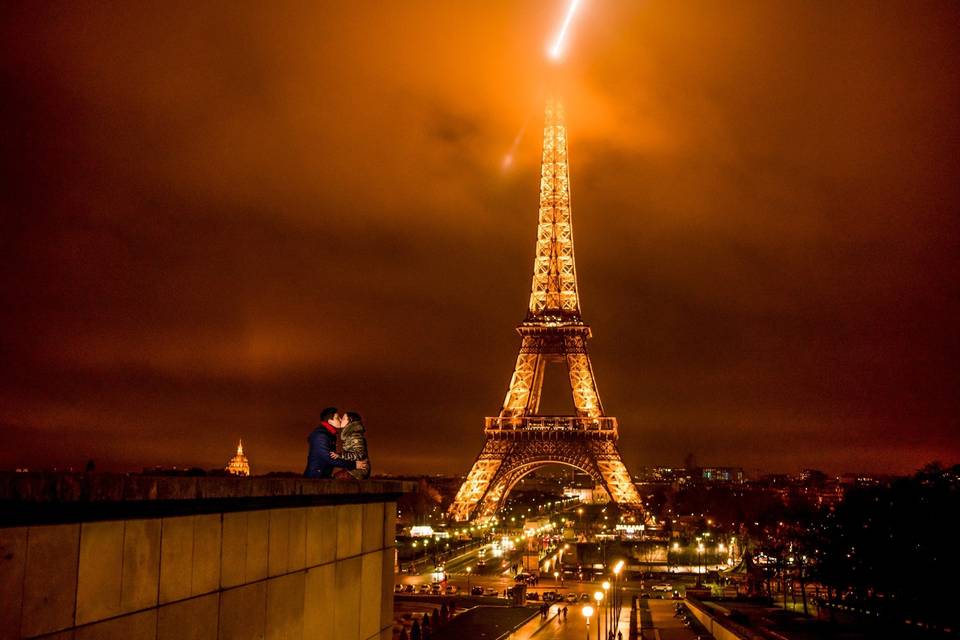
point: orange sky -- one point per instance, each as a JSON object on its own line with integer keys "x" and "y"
{"x": 220, "y": 219}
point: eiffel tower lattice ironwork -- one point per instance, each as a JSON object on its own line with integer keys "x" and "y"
{"x": 520, "y": 439}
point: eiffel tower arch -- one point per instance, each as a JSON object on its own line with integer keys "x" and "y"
{"x": 520, "y": 439}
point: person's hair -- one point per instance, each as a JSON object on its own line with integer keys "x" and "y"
{"x": 353, "y": 416}
{"x": 327, "y": 413}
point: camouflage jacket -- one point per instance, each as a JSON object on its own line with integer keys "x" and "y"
{"x": 353, "y": 444}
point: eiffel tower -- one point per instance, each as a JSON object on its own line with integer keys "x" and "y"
{"x": 521, "y": 440}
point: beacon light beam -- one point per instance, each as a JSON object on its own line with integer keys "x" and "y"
{"x": 557, "y": 49}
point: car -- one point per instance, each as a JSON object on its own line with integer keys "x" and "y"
{"x": 571, "y": 598}
{"x": 644, "y": 596}
{"x": 662, "y": 587}
{"x": 522, "y": 577}
{"x": 408, "y": 588}
{"x": 476, "y": 591}
{"x": 549, "y": 596}
{"x": 481, "y": 563}
{"x": 435, "y": 589}
{"x": 584, "y": 597}
{"x": 398, "y": 588}
{"x": 490, "y": 591}
{"x": 424, "y": 588}
{"x": 452, "y": 590}
{"x": 533, "y": 595}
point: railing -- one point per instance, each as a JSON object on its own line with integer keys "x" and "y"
{"x": 551, "y": 423}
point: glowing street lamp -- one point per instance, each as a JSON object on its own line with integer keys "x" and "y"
{"x": 469, "y": 571}
{"x": 700, "y": 562}
{"x": 606, "y": 603}
{"x": 598, "y": 596}
{"x": 587, "y": 612}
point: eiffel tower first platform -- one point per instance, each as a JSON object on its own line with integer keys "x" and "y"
{"x": 521, "y": 440}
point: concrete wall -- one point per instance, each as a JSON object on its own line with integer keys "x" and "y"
{"x": 713, "y": 624}
{"x": 312, "y": 572}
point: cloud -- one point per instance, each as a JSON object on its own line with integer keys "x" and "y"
{"x": 221, "y": 219}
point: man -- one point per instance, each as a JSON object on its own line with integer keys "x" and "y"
{"x": 322, "y": 441}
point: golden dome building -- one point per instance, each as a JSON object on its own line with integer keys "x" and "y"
{"x": 239, "y": 465}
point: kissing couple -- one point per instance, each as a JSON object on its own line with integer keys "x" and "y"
{"x": 338, "y": 447}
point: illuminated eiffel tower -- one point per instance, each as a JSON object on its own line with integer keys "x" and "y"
{"x": 521, "y": 440}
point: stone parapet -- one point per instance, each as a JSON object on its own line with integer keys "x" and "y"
{"x": 38, "y": 498}
{"x": 113, "y": 556}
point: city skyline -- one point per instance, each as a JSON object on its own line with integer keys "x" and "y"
{"x": 217, "y": 230}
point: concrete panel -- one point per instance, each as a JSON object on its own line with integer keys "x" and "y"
{"x": 136, "y": 626}
{"x": 50, "y": 583}
{"x": 297, "y": 559}
{"x": 346, "y": 612}
{"x": 233, "y": 553}
{"x": 390, "y": 524}
{"x": 372, "y": 526}
{"x": 13, "y": 565}
{"x": 285, "y": 606}
{"x": 371, "y": 591}
{"x": 258, "y": 544}
{"x": 386, "y": 580}
{"x": 349, "y": 530}
{"x": 100, "y": 572}
{"x": 243, "y": 612}
{"x": 141, "y": 565}
{"x": 206, "y": 554}
{"x": 321, "y": 535}
{"x": 319, "y": 600}
{"x": 279, "y": 541}
{"x": 193, "y": 619}
{"x": 176, "y": 557}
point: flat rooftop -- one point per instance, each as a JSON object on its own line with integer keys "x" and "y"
{"x": 52, "y": 497}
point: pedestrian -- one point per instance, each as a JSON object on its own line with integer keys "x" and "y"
{"x": 415, "y": 632}
{"x": 564, "y": 614}
{"x": 322, "y": 442}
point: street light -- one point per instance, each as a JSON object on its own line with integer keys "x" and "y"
{"x": 598, "y": 596}
{"x": 469, "y": 569}
{"x": 588, "y": 611}
{"x": 606, "y": 604}
{"x": 699, "y": 562}
{"x": 616, "y": 592}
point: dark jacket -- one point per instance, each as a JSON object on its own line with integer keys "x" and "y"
{"x": 322, "y": 441}
{"x": 353, "y": 446}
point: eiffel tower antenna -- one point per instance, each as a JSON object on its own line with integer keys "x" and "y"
{"x": 520, "y": 439}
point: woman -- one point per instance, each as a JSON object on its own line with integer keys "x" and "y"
{"x": 353, "y": 444}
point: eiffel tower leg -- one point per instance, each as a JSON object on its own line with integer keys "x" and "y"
{"x": 584, "y": 386}
{"x": 477, "y": 483}
{"x": 616, "y": 478}
{"x": 524, "y": 391}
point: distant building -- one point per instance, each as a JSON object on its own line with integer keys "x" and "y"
{"x": 239, "y": 465}
{"x": 722, "y": 474}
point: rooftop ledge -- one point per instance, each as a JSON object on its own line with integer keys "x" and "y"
{"x": 53, "y": 497}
